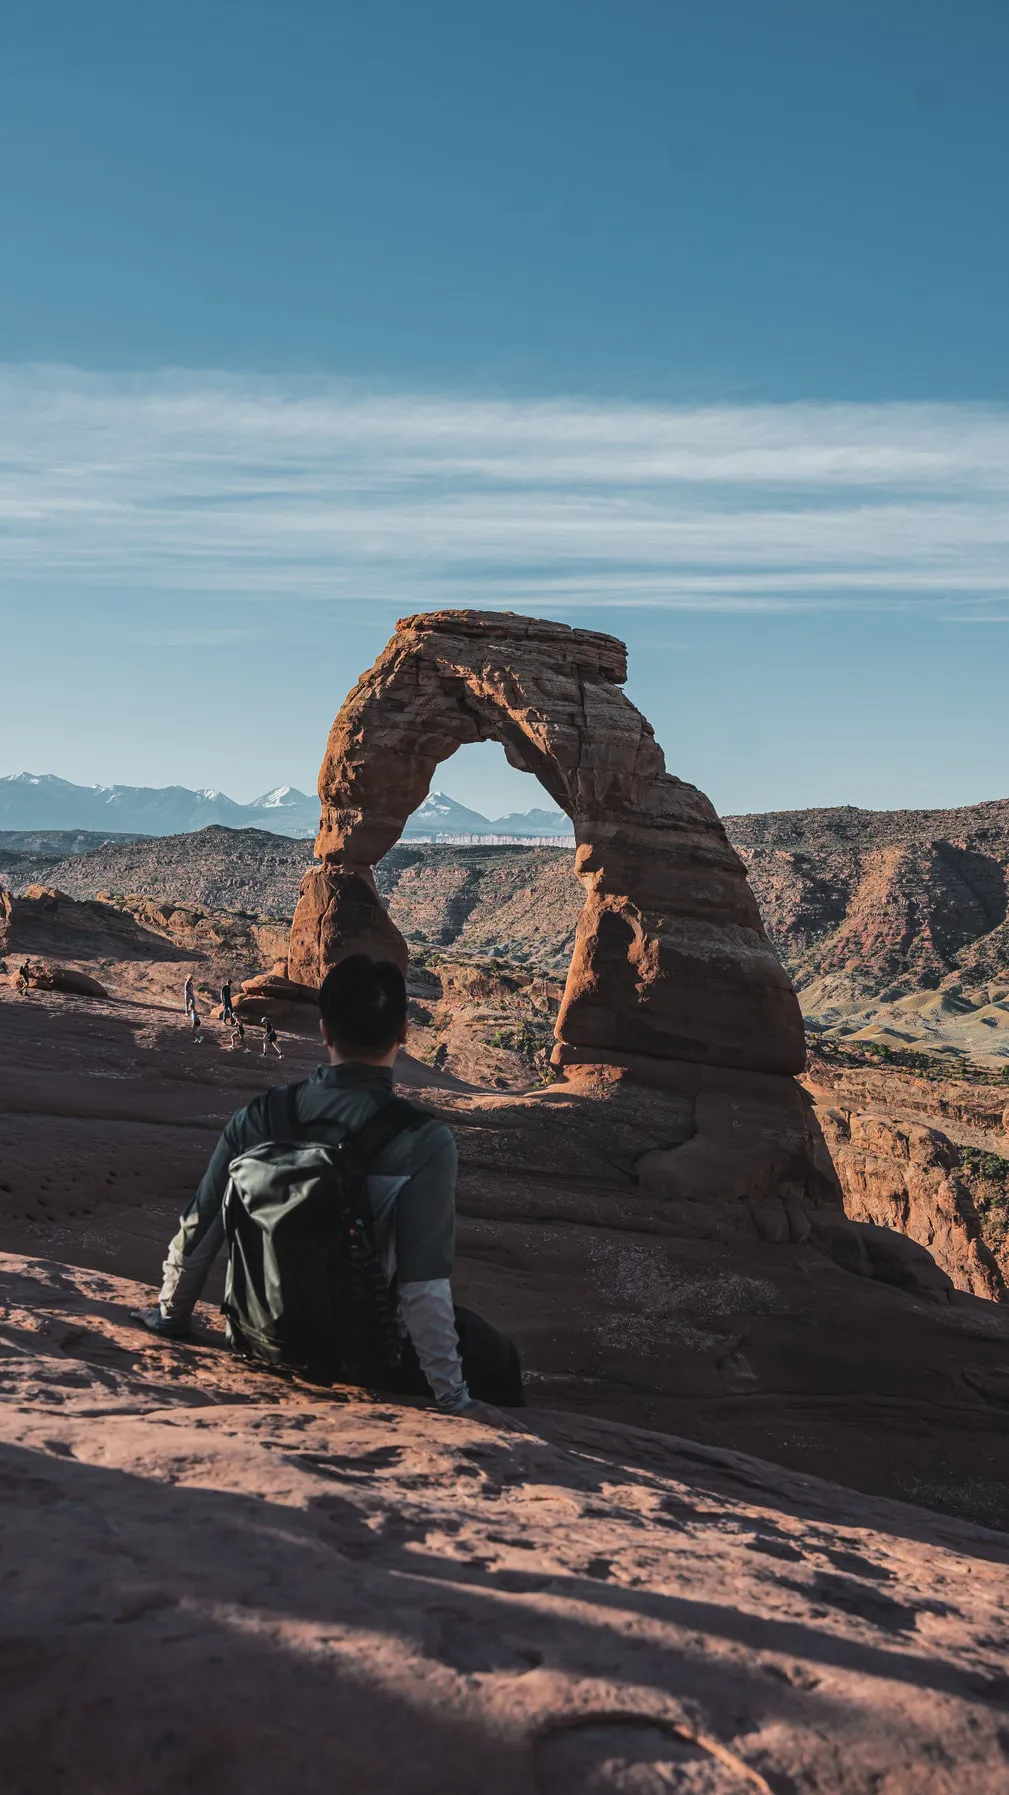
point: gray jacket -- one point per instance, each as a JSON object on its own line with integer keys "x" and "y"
{"x": 411, "y": 1186}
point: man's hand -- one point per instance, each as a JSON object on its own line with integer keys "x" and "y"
{"x": 172, "y": 1327}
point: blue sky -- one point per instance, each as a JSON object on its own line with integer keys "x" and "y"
{"x": 684, "y": 322}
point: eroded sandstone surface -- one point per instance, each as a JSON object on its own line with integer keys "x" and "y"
{"x": 670, "y": 957}
{"x": 219, "y": 1581}
{"x": 630, "y": 1300}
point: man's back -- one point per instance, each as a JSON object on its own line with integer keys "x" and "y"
{"x": 411, "y": 1187}
{"x": 410, "y": 1184}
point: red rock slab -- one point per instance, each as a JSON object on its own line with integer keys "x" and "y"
{"x": 223, "y": 1582}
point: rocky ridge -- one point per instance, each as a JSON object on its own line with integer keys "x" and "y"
{"x": 133, "y": 943}
{"x": 891, "y": 923}
{"x": 927, "y": 1157}
{"x": 219, "y": 869}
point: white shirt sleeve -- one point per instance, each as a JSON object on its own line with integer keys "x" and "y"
{"x": 183, "y": 1278}
{"x": 429, "y": 1318}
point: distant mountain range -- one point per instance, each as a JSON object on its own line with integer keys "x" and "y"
{"x": 441, "y": 816}
{"x": 42, "y": 801}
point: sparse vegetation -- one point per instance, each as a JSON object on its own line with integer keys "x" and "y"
{"x": 988, "y": 1177}
{"x": 522, "y": 1039}
{"x": 937, "y": 1067}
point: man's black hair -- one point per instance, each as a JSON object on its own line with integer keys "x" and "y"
{"x": 363, "y": 1005}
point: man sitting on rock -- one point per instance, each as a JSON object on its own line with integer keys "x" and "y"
{"x": 449, "y": 1352}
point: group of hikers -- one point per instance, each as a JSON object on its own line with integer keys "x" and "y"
{"x": 271, "y": 1041}
{"x": 335, "y": 1200}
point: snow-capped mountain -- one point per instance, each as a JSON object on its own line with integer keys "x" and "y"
{"x": 532, "y": 822}
{"x": 441, "y": 815}
{"x": 282, "y": 797}
{"x": 42, "y": 801}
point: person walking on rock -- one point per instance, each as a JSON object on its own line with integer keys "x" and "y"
{"x": 197, "y": 1026}
{"x": 23, "y": 978}
{"x": 227, "y": 1013}
{"x": 448, "y": 1353}
{"x": 270, "y": 1039}
{"x": 238, "y": 1035}
{"x": 189, "y": 995}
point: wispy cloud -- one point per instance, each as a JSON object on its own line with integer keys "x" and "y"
{"x": 227, "y": 484}
{"x": 160, "y": 637}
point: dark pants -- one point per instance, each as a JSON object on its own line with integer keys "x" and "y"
{"x": 490, "y": 1364}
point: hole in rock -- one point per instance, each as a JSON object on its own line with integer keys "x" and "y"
{"x": 481, "y": 886}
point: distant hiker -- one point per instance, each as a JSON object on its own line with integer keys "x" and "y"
{"x": 356, "y": 1278}
{"x": 270, "y": 1039}
{"x": 21, "y": 982}
{"x": 190, "y": 995}
{"x": 197, "y": 1026}
{"x": 227, "y": 1013}
{"x": 440, "y": 1057}
{"x": 238, "y": 1034}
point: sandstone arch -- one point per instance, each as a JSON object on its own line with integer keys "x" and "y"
{"x": 670, "y": 961}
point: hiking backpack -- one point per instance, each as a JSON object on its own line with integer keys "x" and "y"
{"x": 305, "y": 1285}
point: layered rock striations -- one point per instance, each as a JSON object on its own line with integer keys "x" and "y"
{"x": 670, "y": 958}
{"x": 924, "y": 1157}
{"x": 906, "y": 896}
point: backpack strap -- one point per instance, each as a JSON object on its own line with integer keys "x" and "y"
{"x": 394, "y": 1117}
{"x": 282, "y": 1112}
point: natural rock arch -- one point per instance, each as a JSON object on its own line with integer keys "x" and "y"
{"x": 670, "y": 960}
